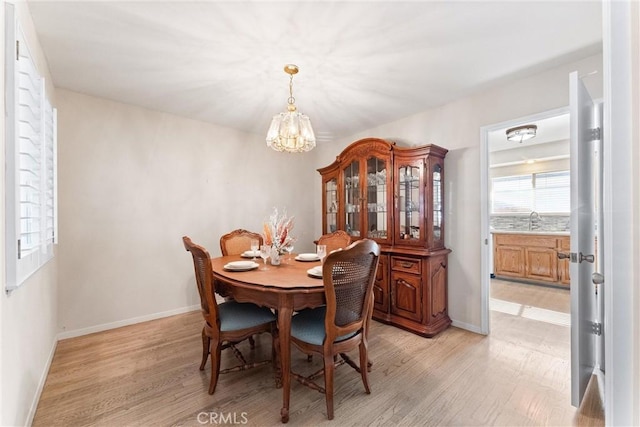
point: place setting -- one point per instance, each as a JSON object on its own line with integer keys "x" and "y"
{"x": 241, "y": 266}
{"x": 307, "y": 257}
{"x": 321, "y": 252}
{"x": 315, "y": 272}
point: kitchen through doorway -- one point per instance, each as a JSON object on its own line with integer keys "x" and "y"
{"x": 526, "y": 226}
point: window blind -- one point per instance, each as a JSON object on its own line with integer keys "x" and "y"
{"x": 552, "y": 192}
{"x": 547, "y": 192}
{"x": 512, "y": 194}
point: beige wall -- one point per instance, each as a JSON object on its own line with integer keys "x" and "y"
{"x": 28, "y": 314}
{"x": 456, "y": 126}
{"x": 133, "y": 182}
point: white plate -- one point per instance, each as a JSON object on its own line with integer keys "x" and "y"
{"x": 315, "y": 272}
{"x": 241, "y": 265}
{"x": 250, "y": 254}
{"x": 307, "y": 257}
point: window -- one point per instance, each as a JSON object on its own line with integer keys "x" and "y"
{"x": 30, "y": 162}
{"x": 547, "y": 192}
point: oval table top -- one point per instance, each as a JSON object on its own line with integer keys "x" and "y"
{"x": 290, "y": 274}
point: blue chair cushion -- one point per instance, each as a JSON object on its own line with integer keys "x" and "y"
{"x": 242, "y": 315}
{"x": 308, "y": 326}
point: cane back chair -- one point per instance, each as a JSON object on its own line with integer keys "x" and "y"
{"x": 342, "y": 324}
{"x": 228, "y": 323}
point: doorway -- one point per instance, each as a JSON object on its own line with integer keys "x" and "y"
{"x": 527, "y": 219}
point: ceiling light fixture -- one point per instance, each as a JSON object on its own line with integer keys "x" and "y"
{"x": 291, "y": 131}
{"x": 521, "y": 133}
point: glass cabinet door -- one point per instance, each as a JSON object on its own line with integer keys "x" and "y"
{"x": 331, "y": 205}
{"x": 352, "y": 198}
{"x": 436, "y": 183}
{"x": 409, "y": 204}
{"x": 377, "y": 216}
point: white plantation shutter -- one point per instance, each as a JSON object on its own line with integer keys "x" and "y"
{"x": 30, "y": 138}
{"x": 30, "y": 149}
{"x": 50, "y": 174}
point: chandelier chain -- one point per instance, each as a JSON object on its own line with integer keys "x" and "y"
{"x": 291, "y": 99}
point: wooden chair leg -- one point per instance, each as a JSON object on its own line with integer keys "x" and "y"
{"x": 215, "y": 368}
{"x": 275, "y": 354}
{"x": 363, "y": 365}
{"x": 206, "y": 342}
{"x": 328, "y": 383}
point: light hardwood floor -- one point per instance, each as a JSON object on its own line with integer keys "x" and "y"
{"x": 147, "y": 374}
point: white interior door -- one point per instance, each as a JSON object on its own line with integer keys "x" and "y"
{"x": 583, "y": 132}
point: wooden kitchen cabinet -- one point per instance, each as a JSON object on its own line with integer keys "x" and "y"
{"x": 531, "y": 257}
{"x": 564, "y": 247}
{"x": 509, "y": 260}
{"x": 395, "y": 196}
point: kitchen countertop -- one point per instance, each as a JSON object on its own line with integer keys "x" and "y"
{"x": 532, "y": 232}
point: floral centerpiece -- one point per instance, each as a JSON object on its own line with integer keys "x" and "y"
{"x": 277, "y": 233}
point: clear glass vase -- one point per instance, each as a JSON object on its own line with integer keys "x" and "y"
{"x": 275, "y": 256}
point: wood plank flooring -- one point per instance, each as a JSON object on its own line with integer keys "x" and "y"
{"x": 147, "y": 374}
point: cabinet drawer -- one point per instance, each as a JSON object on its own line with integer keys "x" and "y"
{"x": 525, "y": 240}
{"x": 409, "y": 265}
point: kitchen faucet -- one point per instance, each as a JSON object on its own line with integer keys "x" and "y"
{"x": 531, "y": 215}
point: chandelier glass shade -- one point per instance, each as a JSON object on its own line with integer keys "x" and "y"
{"x": 521, "y": 133}
{"x": 291, "y": 131}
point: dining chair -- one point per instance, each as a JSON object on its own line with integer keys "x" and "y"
{"x": 227, "y": 323}
{"x": 337, "y": 240}
{"x": 341, "y": 325}
{"x": 238, "y": 241}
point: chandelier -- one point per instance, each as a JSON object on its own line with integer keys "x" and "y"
{"x": 291, "y": 131}
{"x": 521, "y": 133}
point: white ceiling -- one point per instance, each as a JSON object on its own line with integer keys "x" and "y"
{"x": 362, "y": 63}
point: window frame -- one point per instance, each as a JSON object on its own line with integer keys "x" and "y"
{"x": 42, "y": 121}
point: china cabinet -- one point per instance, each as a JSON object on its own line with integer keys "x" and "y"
{"x": 395, "y": 196}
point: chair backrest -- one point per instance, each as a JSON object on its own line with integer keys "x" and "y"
{"x": 336, "y": 240}
{"x": 348, "y": 277}
{"x": 238, "y": 241}
{"x": 204, "y": 280}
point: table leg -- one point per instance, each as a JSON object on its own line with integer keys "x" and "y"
{"x": 285, "y": 311}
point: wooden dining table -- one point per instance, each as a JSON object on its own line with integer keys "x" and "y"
{"x": 285, "y": 288}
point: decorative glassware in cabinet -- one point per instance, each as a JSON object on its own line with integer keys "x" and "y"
{"x": 437, "y": 202}
{"x": 409, "y": 213}
{"x": 377, "y": 192}
{"x": 352, "y": 198}
{"x": 331, "y": 201}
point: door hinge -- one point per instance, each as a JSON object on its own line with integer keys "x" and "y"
{"x": 19, "y": 250}
{"x": 596, "y": 328}
{"x": 17, "y": 50}
{"x": 594, "y": 134}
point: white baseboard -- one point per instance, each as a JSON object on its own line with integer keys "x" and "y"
{"x": 126, "y": 322}
{"x": 467, "y": 326}
{"x": 43, "y": 379}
